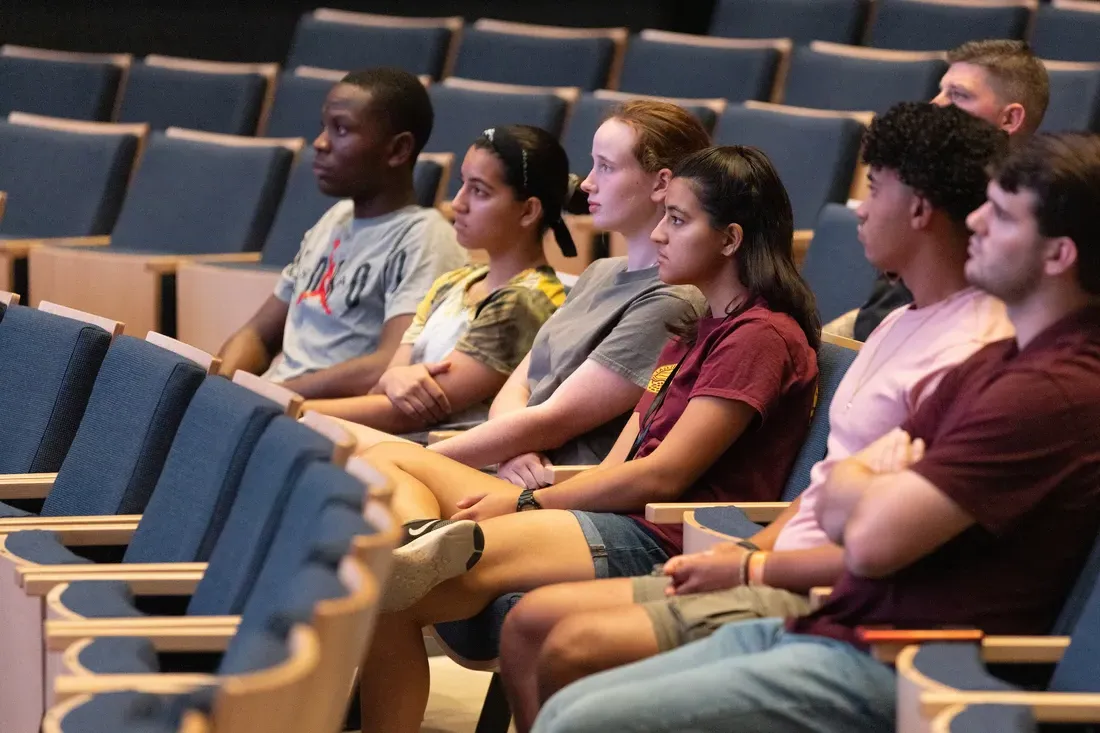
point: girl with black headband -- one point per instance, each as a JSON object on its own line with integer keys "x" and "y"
{"x": 477, "y": 323}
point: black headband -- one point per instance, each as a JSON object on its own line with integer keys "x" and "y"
{"x": 514, "y": 157}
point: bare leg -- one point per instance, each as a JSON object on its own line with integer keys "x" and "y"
{"x": 428, "y": 484}
{"x": 530, "y": 622}
{"x": 591, "y": 642}
{"x": 522, "y": 551}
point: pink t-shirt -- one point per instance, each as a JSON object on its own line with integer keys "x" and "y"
{"x": 899, "y": 366}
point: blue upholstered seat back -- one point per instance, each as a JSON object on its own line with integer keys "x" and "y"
{"x": 815, "y": 157}
{"x": 351, "y": 46}
{"x": 81, "y": 90}
{"x": 832, "y": 363}
{"x": 1066, "y": 34}
{"x": 191, "y": 197}
{"x": 835, "y": 267}
{"x": 1074, "y": 100}
{"x": 62, "y": 184}
{"x": 199, "y": 483}
{"x": 913, "y": 25}
{"x": 48, "y": 365}
{"x": 320, "y": 485}
{"x": 296, "y": 110}
{"x": 1076, "y": 672}
{"x": 698, "y": 72}
{"x": 426, "y": 177}
{"x": 136, "y": 406}
{"x": 1080, "y": 594}
{"x": 839, "y": 21}
{"x": 301, "y": 206}
{"x": 588, "y": 114}
{"x": 164, "y": 97}
{"x": 461, "y": 115}
{"x": 510, "y": 59}
{"x": 830, "y": 81}
{"x": 280, "y": 457}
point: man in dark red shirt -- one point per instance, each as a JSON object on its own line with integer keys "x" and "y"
{"x": 978, "y": 512}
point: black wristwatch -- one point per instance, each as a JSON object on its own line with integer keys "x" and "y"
{"x": 527, "y": 501}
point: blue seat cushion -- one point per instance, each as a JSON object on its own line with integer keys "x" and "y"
{"x": 478, "y": 638}
{"x": 995, "y": 718}
{"x": 252, "y": 650}
{"x": 100, "y": 599}
{"x": 958, "y": 665}
{"x": 120, "y": 655}
{"x": 6, "y": 510}
{"x": 43, "y": 547}
{"x": 727, "y": 520}
{"x": 126, "y": 712}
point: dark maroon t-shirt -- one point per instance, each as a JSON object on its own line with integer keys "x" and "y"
{"x": 758, "y": 357}
{"x": 1013, "y": 437}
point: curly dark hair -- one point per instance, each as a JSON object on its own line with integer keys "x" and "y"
{"x": 942, "y": 153}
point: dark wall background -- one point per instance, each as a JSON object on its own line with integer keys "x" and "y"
{"x": 252, "y": 30}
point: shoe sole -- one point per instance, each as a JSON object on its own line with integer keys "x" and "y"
{"x": 430, "y": 560}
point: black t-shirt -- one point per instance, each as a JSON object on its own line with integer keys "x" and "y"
{"x": 887, "y": 296}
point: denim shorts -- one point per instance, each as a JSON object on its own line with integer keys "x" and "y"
{"x": 620, "y": 547}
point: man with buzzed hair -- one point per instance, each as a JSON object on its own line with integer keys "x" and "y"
{"x": 999, "y": 81}
{"x": 340, "y": 308}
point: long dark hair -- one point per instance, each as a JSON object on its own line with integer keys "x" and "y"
{"x": 738, "y": 185}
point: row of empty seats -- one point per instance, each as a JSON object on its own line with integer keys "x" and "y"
{"x": 137, "y": 477}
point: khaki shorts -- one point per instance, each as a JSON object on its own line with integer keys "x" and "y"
{"x": 681, "y": 620}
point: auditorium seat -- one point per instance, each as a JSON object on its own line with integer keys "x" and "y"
{"x": 816, "y": 152}
{"x": 63, "y": 178}
{"x": 341, "y": 39}
{"x": 835, "y": 267}
{"x": 79, "y": 86}
{"x": 49, "y": 359}
{"x": 935, "y": 677}
{"x": 939, "y": 25}
{"x": 832, "y": 76}
{"x": 1074, "y": 97}
{"x": 214, "y": 299}
{"x": 213, "y": 96}
{"x": 540, "y": 55}
{"x": 465, "y": 108}
{"x": 839, "y": 21}
{"x": 1067, "y": 30}
{"x": 193, "y": 195}
{"x": 667, "y": 64}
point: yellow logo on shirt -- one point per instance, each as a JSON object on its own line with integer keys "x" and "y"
{"x": 660, "y": 374}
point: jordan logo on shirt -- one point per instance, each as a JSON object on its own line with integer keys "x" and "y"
{"x": 324, "y": 287}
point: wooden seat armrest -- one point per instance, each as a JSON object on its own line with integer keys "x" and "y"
{"x": 168, "y": 264}
{"x": 819, "y": 595}
{"x": 101, "y": 535}
{"x": 1047, "y": 707}
{"x": 21, "y": 247}
{"x": 1024, "y": 649}
{"x": 165, "y": 582}
{"x": 69, "y": 686}
{"x": 25, "y": 485}
{"x": 801, "y": 244}
{"x": 437, "y": 436}
{"x": 557, "y": 474}
{"x": 167, "y": 634}
{"x": 886, "y": 644}
{"x": 673, "y": 513}
{"x": 9, "y": 525}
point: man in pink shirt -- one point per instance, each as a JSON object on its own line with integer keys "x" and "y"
{"x": 928, "y": 172}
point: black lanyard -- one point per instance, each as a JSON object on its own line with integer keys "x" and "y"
{"x": 658, "y": 400}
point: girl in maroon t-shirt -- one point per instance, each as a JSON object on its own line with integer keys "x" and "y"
{"x": 722, "y": 419}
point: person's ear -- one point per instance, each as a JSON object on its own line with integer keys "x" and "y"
{"x": 920, "y": 212}
{"x": 1013, "y": 117}
{"x": 734, "y": 235}
{"x": 401, "y": 150}
{"x": 1059, "y": 256}
{"x": 532, "y": 212}
{"x": 660, "y": 185}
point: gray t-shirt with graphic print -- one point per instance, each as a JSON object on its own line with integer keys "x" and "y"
{"x": 617, "y": 318}
{"x": 351, "y": 276}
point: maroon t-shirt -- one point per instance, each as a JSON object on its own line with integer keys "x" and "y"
{"x": 1013, "y": 437}
{"x": 758, "y": 357}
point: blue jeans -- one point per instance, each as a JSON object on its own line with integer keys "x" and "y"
{"x": 749, "y": 677}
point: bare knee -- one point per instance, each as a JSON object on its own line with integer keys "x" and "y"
{"x": 574, "y": 648}
{"x": 534, "y": 616}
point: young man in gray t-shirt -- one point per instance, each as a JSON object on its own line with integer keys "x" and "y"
{"x": 340, "y": 308}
